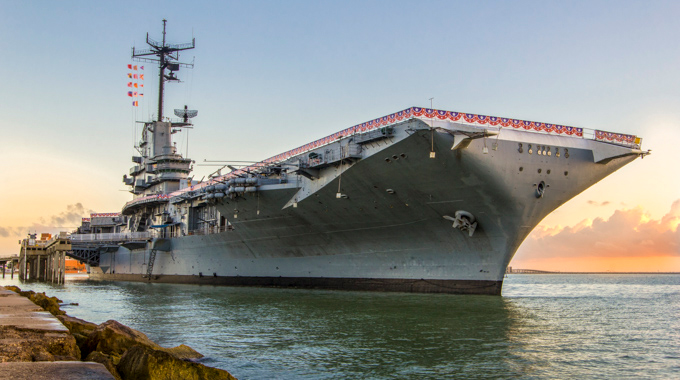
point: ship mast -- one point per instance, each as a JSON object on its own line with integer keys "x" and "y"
{"x": 160, "y": 168}
{"x": 168, "y": 58}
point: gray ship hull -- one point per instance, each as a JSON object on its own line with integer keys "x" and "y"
{"x": 391, "y": 229}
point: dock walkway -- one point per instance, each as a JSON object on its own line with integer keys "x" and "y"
{"x": 18, "y": 317}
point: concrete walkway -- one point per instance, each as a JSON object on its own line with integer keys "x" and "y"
{"x": 19, "y": 317}
{"x": 22, "y": 313}
{"x": 54, "y": 370}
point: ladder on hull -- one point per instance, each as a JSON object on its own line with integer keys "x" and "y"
{"x": 164, "y": 245}
{"x": 149, "y": 267}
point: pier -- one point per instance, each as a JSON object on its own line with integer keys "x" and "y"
{"x": 511, "y": 270}
{"x": 9, "y": 261}
{"x": 44, "y": 258}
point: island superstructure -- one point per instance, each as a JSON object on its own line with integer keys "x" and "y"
{"x": 421, "y": 200}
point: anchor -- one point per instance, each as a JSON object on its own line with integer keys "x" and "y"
{"x": 464, "y": 221}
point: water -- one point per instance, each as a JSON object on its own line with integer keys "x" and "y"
{"x": 543, "y": 327}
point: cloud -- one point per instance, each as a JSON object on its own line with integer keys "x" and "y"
{"x": 68, "y": 219}
{"x": 596, "y": 203}
{"x": 71, "y": 216}
{"x": 627, "y": 233}
{"x": 10, "y": 231}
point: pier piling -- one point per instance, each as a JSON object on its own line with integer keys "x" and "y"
{"x": 8, "y": 263}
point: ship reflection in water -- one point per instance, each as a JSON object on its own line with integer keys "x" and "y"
{"x": 545, "y": 326}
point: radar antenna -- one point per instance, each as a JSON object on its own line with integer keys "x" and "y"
{"x": 168, "y": 58}
{"x": 185, "y": 114}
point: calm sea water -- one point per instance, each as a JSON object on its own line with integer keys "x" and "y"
{"x": 543, "y": 327}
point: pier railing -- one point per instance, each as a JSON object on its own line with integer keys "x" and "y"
{"x": 127, "y": 236}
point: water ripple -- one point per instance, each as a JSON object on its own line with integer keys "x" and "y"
{"x": 544, "y": 327}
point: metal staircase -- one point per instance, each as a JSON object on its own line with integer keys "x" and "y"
{"x": 135, "y": 226}
{"x": 140, "y": 221}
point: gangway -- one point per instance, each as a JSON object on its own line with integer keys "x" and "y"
{"x": 89, "y": 247}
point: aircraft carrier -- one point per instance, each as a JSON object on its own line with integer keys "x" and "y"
{"x": 421, "y": 200}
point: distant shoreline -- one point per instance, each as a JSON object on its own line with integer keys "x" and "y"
{"x": 547, "y": 272}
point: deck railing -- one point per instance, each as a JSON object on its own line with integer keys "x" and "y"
{"x": 426, "y": 115}
{"x": 121, "y": 236}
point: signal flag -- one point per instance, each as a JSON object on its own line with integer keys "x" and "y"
{"x": 135, "y": 85}
{"x": 141, "y": 76}
{"x": 130, "y": 93}
{"x": 129, "y": 84}
{"x": 134, "y": 67}
{"x": 129, "y": 66}
{"x": 135, "y": 103}
{"x": 129, "y": 75}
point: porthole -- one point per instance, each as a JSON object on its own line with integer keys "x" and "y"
{"x": 521, "y": 168}
{"x": 566, "y": 153}
{"x": 530, "y": 150}
{"x": 566, "y": 173}
{"x": 548, "y": 172}
{"x": 520, "y": 149}
{"x": 388, "y": 160}
{"x": 539, "y": 171}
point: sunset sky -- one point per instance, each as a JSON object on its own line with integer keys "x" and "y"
{"x": 273, "y": 75}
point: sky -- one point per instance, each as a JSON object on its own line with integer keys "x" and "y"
{"x": 273, "y": 75}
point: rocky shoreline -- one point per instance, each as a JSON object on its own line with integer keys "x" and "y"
{"x": 126, "y": 353}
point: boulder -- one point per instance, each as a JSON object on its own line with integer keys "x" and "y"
{"x": 13, "y": 288}
{"x": 79, "y": 328}
{"x": 50, "y": 304}
{"x": 183, "y": 352}
{"x": 113, "y": 338}
{"x": 144, "y": 362}
{"x": 106, "y": 360}
{"x": 27, "y": 293}
{"x": 77, "y": 325}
